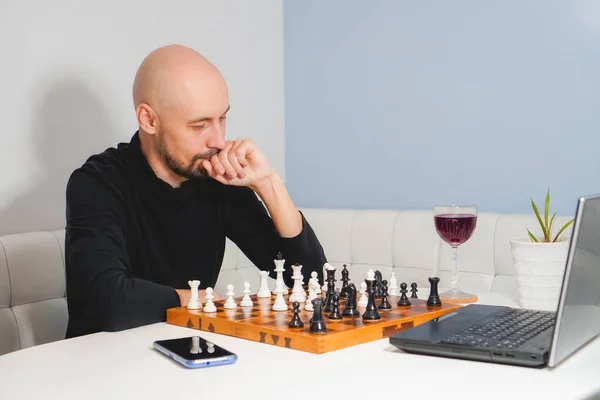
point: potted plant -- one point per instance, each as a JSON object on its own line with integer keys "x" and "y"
{"x": 539, "y": 261}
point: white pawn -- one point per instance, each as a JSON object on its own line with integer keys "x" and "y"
{"x": 209, "y": 307}
{"x": 393, "y": 288}
{"x": 194, "y": 303}
{"x": 313, "y": 290}
{"x": 196, "y": 349}
{"x": 308, "y": 306}
{"x": 314, "y": 277}
{"x": 230, "y": 302}
{"x": 279, "y": 304}
{"x": 364, "y": 299}
{"x": 263, "y": 290}
{"x": 246, "y": 301}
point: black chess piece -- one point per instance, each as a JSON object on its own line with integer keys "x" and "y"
{"x": 434, "y": 297}
{"x": 279, "y": 256}
{"x": 351, "y": 302}
{"x": 345, "y": 280}
{"x": 377, "y": 285}
{"x": 384, "y": 304}
{"x": 330, "y": 289}
{"x": 403, "y": 298}
{"x": 413, "y": 290}
{"x": 317, "y": 323}
{"x": 371, "y": 313}
{"x": 296, "y": 322}
{"x": 335, "y": 307}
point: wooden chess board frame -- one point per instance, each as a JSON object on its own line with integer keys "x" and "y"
{"x": 261, "y": 324}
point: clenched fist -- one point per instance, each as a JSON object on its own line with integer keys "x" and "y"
{"x": 240, "y": 163}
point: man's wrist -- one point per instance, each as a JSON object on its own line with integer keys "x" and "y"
{"x": 268, "y": 187}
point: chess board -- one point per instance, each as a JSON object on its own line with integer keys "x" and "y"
{"x": 260, "y": 323}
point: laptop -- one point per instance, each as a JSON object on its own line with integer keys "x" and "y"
{"x": 528, "y": 338}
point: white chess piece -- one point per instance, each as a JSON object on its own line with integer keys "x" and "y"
{"x": 246, "y": 301}
{"x": 279, "y": 304}
{"x": 263, "y": 290}
{"x": 209, "y": 307}
{"x": 210, "y": 347}
{"x": 230, "y": 302}
{"x": 308, "y": 306}
{"x": 194, "y": 303}
{"x": 279, "y": 263}
{"x": 326, "y": 266}
{"x": 313, "y": 289}
{"x": 297, "y": 290}
{"x": 364, "y": 299}
{"x": 196, "y": 349}
{"x": 314, "y": 277}
{"x": 393, "y": 288}
{"x": 370, "y": 275}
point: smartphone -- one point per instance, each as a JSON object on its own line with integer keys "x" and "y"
{"x": 195, "y": 352}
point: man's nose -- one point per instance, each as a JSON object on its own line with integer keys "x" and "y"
{"x": 217, "y": 139}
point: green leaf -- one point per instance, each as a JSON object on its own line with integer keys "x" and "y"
{"x": 537, "y": 214}
{"x": 562, "y": 230}
{"x": 546, "y": 212}
{"x": 533, "y": 238}
{"x": 551, "y": 224}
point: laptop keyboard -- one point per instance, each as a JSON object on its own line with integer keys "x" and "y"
{"x": 508, "y": 330}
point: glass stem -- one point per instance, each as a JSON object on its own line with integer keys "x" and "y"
{"x": 454, "y": 280}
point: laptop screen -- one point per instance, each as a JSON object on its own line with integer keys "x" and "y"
{"x": 578, "y": 318}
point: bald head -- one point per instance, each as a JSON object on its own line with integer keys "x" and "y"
{"x": 180, "y": 101}
{"x": 168, "y": 73}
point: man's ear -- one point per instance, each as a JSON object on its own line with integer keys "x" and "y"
{"x": 147, "y": 119}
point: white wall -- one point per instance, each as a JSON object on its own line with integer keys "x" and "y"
{"x": 66, "y": 70}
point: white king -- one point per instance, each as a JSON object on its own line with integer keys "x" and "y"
{"x": 298, "y": 290}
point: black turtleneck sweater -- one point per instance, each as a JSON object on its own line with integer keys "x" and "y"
{"x": 132, "y": 239}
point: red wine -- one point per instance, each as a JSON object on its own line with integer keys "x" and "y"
{"x": 455, "y": 229}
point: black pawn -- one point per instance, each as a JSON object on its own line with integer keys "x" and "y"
{"x": 384, "y": 304}
{"x": 371, "y": 313}
{"x": 296, "y": 322}
{"x": 413, "y": 290}
{"x": 279, "y": 256}
{"x": 317, "y": 323}
{"x": 434, "y": 297}
{"x": 345, "y": 280}
{"x": 378, "y": 283}
{"x": 350, "y": 310}
{"x": 403, "y": 298}
{"x": 335, "y": 307}
{"x": 330, "y": 289}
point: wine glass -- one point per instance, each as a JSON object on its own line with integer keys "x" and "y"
{"x": 455, "y": 224}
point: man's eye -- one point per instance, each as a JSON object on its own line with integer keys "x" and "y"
{"x": 198, "y": 127}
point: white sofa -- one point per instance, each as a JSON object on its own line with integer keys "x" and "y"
{"x": 32, "y": 288}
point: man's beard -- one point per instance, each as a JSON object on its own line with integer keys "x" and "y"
{"x": 190, "y": 171}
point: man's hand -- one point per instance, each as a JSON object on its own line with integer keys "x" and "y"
{"x": 185, "y": 294}
{"x": 240, "y": 163}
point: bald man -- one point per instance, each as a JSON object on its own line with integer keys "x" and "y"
{"x": 146, "y": 217}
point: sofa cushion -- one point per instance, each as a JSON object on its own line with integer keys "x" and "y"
{"x": 35, "y": 267}
{"x": 415, "y": 242}
{"x": 4, "y": 280}
{"x": 334, "y": 229}
{"x": 42, "y": 321}
{"x": 9, "y": 333}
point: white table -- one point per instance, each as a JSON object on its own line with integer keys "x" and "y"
{"x": 123, "y": 365}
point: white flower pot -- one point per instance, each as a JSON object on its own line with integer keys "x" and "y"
{"x": 539, "y": 271}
